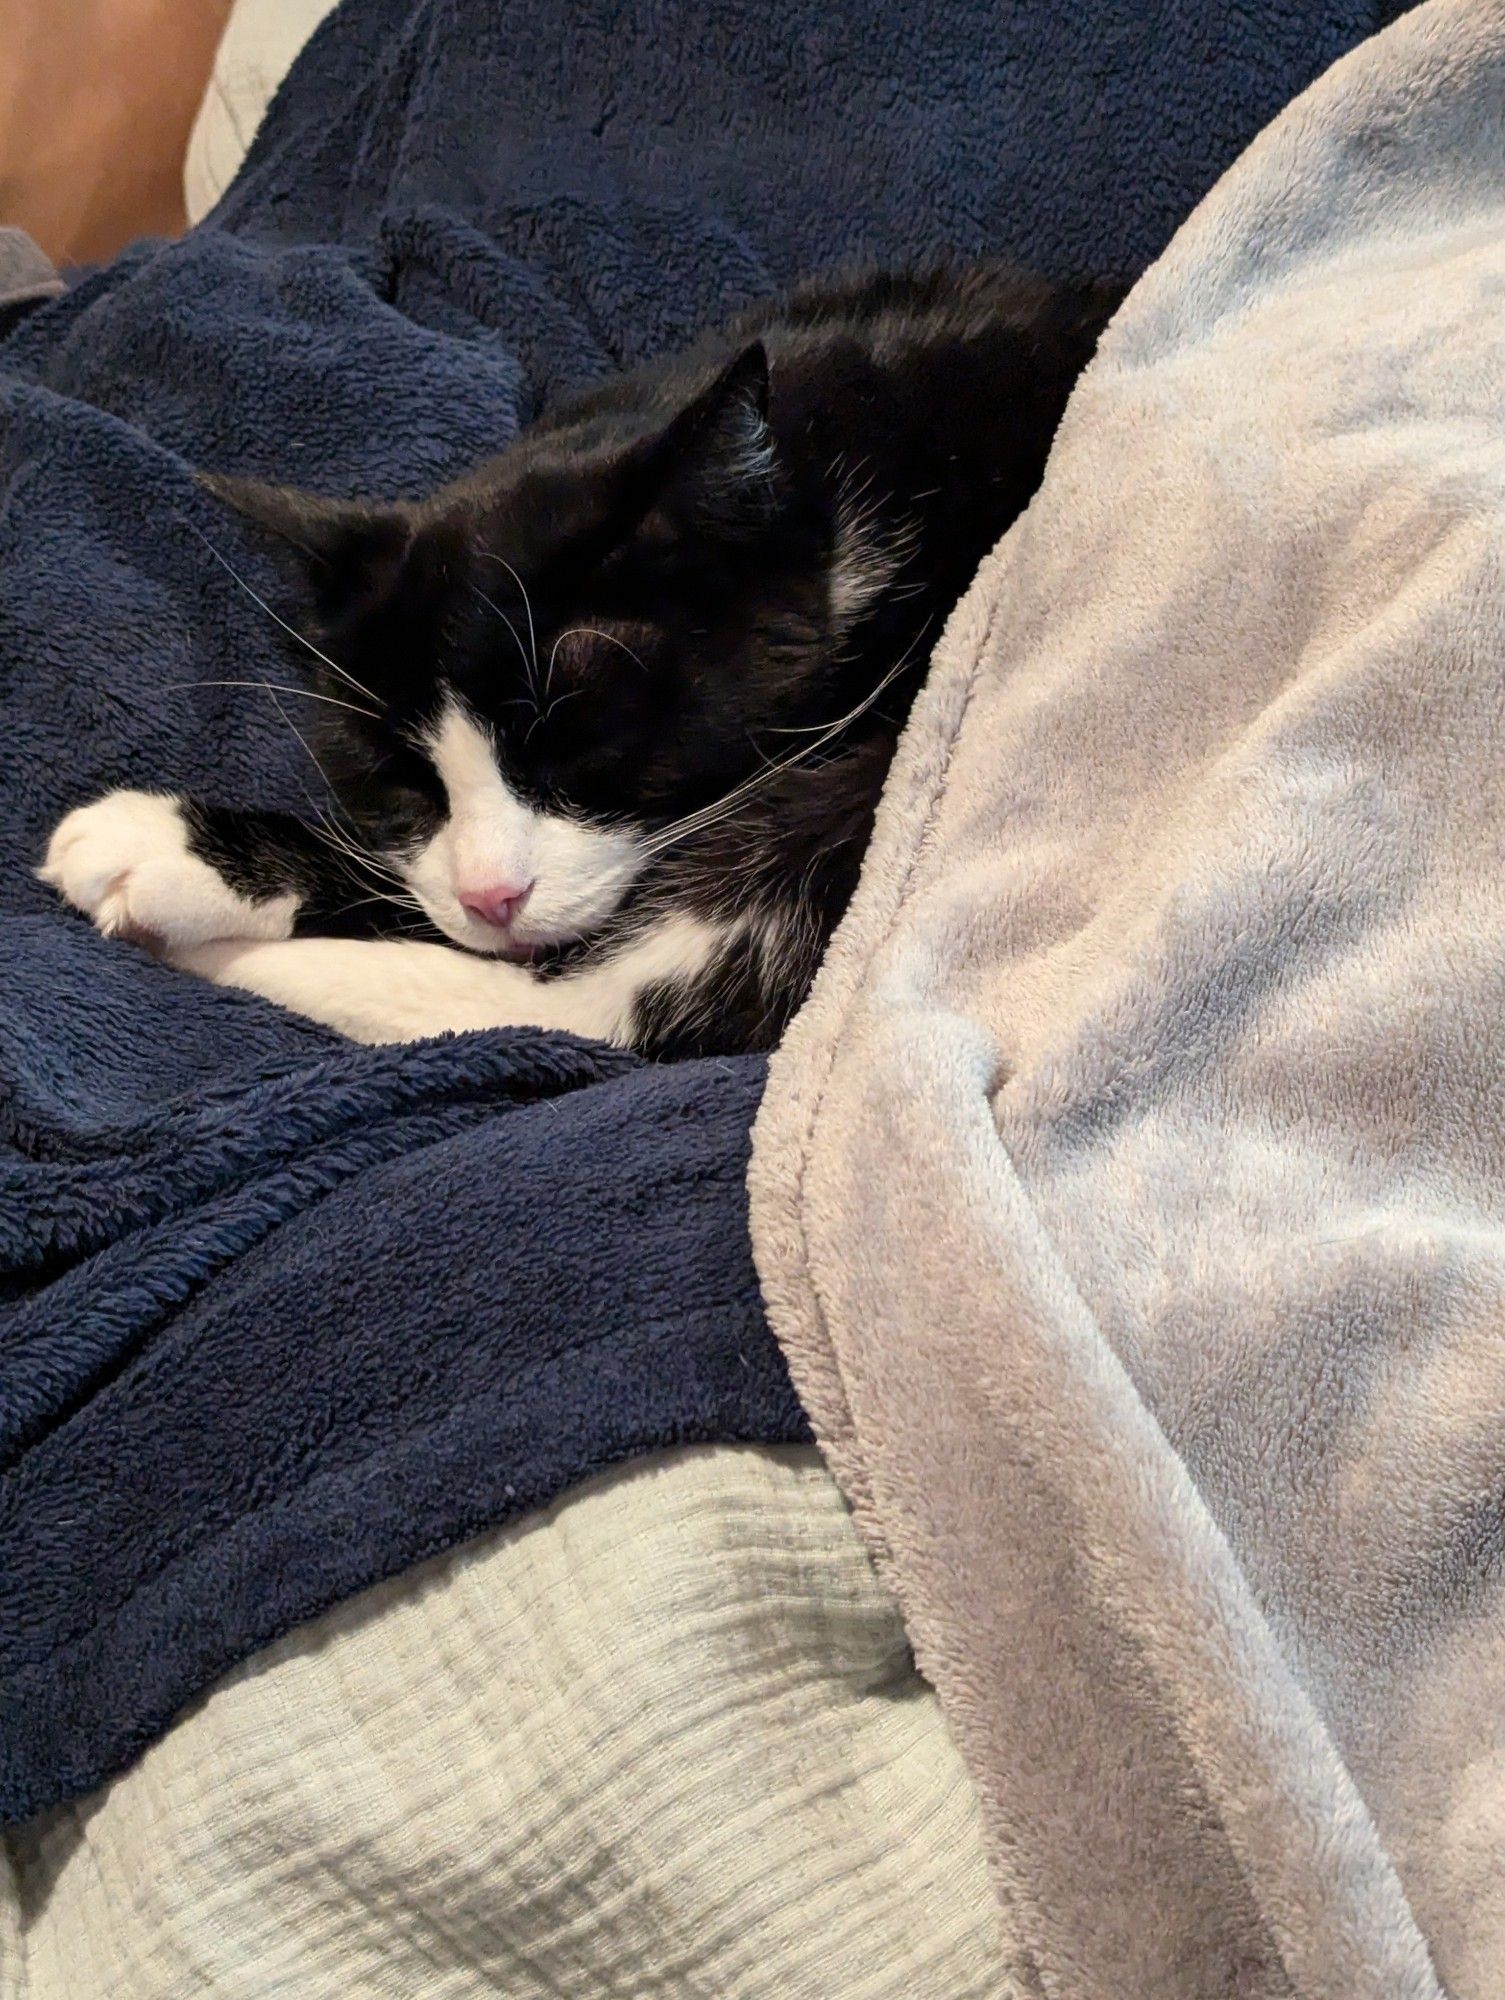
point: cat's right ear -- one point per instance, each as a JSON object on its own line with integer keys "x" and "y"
{"x": 717, "y": 466}
{"x": 353, "y": 552}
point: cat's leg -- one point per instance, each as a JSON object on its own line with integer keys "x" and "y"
{"x": 173, "y": 872}
{"x": 390, "y": 990}
{"x": 221, "y": 895}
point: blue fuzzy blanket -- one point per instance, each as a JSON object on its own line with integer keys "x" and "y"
{"x": 278, "y": 1315}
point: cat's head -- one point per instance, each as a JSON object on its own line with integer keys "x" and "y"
{"x": 556, "y": 661}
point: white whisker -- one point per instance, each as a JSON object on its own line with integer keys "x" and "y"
{"x": 323, "y": 826}
{"x": 275, "y": 687}
{"x": 570, "y": 694}
{"x": 489, "y": 555}
{"x": 342, "y": 843}
{"x": 592, "y": 632}
{"x": 723, "y": 808}
{"x": 362, "y": 902}
{"x": 277, "y": 619}
{"x": 290, "y": 724}
{"x": 528, "y": 668}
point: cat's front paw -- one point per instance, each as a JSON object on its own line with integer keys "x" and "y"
{"x": 127, "y": 863}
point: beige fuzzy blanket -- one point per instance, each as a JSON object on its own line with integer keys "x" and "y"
{"x": 1130, "y": 1197}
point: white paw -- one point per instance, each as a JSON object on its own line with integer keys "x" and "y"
{"x": 125, "y": 862}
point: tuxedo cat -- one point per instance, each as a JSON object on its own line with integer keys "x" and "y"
{"x": 606, "y": 721}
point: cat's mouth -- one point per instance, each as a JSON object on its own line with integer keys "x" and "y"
{"x": 511, "y": 951}
{"x": 539, "y": 955}
{"x": 540, "y": 958}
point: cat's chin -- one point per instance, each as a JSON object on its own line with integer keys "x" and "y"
{"x": 508, "y": 953}
{"x": 480, "y": 941}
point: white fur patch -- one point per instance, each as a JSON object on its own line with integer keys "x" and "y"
{"x": 753, "y": 452}
{"x": 579, "y": 872}
{"x": 677, "y": 950}
{"x": 382, "y": 990}
{"x": 863, "y": 566}
{"x": 125, "y": 862}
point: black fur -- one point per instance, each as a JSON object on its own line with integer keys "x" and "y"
{"x": 690, "y": 529}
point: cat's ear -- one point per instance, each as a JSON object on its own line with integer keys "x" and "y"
{"x": 354, "y": 552}
{"x": 718, "y": 461}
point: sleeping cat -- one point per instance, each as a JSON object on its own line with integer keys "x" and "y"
{"x": 612, "y": 713}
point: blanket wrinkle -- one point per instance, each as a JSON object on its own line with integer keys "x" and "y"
{"x": 1127, "y": 1196}
{"x": 279, "y": 1316}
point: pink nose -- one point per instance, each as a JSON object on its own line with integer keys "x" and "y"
{"x": 497, "y": 905}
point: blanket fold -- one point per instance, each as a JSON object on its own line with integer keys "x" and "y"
{"x": 1128, "y": 1197}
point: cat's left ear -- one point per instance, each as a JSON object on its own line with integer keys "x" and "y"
{"x": 718, "y": 460}
{"x": 354, "y": 552}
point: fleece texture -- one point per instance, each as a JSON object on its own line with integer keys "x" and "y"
{"x": 1130, "y": 1197}
{"x": 280, "y": 1315}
